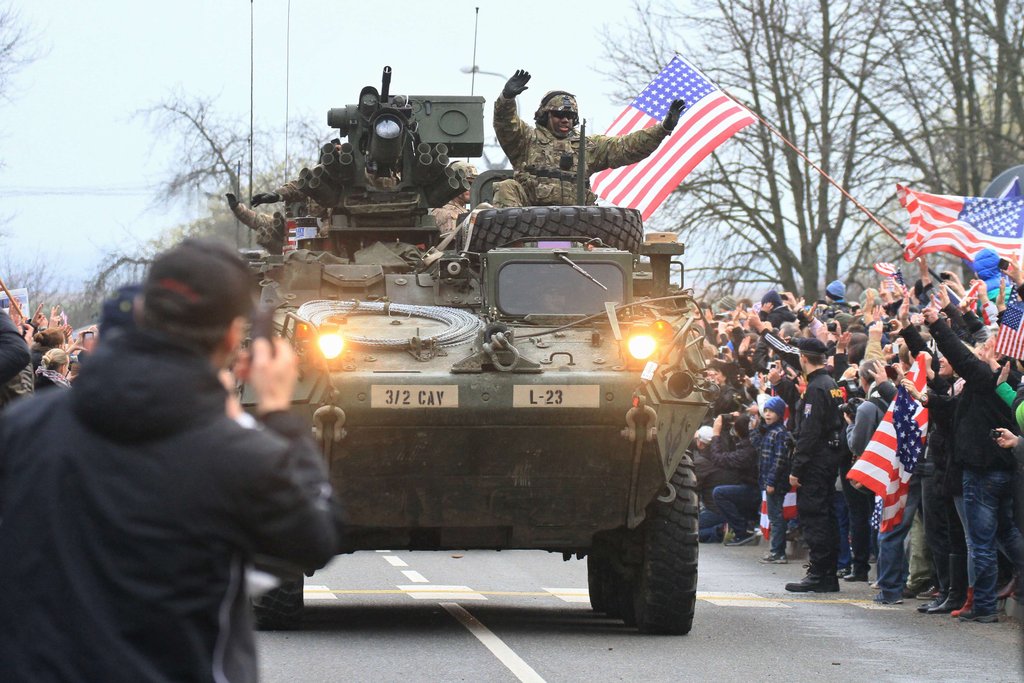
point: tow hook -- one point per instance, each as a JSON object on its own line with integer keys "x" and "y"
{"x": 644, "y": 415}
{"x": 329, "y": 425}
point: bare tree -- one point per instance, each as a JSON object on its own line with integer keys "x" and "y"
{"x": 835, "y": 79}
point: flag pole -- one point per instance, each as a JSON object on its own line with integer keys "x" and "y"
{"x": 827, "y": 177}
{"x": 14, "y": 302}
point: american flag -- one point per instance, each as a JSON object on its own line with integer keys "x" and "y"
{"x": 892, "y": 454}
{"x": 889, "y": 270}
{"x": 1010, "y": 341}
{"x": 788, "y": 511}
{"x": 710, "y": 118}
{"x": 962, "y": 226}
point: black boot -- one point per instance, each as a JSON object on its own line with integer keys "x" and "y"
{"x": 957, "y": 587}
{"x": 815, "y": 584}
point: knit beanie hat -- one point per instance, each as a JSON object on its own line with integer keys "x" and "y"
{"x": 836, "y": 290}
{"x": 772, "y": 297}
{"x": 776, "y": 405}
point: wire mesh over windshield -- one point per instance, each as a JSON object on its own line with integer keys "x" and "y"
{"x": 526, "y": 288}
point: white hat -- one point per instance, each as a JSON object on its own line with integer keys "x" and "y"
{"x": 705, "y": 434}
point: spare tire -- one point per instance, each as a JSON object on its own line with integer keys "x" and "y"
{"x": 615, "y": 226}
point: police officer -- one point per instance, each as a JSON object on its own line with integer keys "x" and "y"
{"x": 814, "y": 468}
{"x": 544, "y": 158}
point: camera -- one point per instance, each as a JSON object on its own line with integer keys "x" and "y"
{"x": 995, "y": 434}
{"x": 832, "y": 326}
{"x": 728, "y": 419}
{"x": 850, "y": 407}
{"x": 853, "y": 389}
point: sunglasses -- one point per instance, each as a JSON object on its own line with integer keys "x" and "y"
{"x": 564, "y": 114}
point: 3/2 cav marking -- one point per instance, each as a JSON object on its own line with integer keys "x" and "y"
{"x": 398, "y": 396}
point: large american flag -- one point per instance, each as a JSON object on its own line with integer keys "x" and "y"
{"x": 962, "y": 226}
{"x": 1010, "y": 341}
{"x": 710, "y": 118}
{"x": 893, "y": 452}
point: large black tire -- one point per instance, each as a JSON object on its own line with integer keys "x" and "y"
{"x": 279, "y": 609}
{"x": 617, "y": 227}
{"x": 598, "y": 582}
{"x": 665, "y": 589}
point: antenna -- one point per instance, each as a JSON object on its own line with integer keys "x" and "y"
{"x": 476, "y": 26}
{"x": 287, "y": 84}
{"x": 251, "y": 105}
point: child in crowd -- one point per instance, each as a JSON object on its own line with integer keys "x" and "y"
{"x": 772, "y": 442}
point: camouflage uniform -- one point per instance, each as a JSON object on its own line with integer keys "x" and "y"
{"x": 535, "y": 153}
{"x": 269, "y": 229}
{"x": 447, "y": 216}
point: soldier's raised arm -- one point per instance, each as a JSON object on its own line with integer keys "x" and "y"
{"x": 512, "y": 132}
{"x": 606, "y": 151}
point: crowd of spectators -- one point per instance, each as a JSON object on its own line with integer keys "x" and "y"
{"x": 958, "y": 546}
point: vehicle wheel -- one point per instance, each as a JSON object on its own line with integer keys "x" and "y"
{"x": 615, "y": 226}
{"x": 598, "y": 582}
{"x": 279, "y": 609}
{"x": 665, "y": 589}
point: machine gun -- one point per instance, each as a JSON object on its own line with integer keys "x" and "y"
{"x": 393, "y": 167}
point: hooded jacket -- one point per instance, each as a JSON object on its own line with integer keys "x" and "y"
{"x": 131, "y": 507}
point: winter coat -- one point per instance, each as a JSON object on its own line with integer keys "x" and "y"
{"x": 979, "y": 409}
{"x": 132, "y": 506}
{"x": 739, "y": 457}
{"x": 772, "y": 444}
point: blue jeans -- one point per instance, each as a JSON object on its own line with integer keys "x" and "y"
{"x": 778, "y": 523}
{"x": 709, "y": 525}
{"x": 988, "y": 504}
{"x": 843, "y": 517}
{"x": 958, "y": 503}
{"x": 892, "y": 556}
{"x": 739, "y": 503}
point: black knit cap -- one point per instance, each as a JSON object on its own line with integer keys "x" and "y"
{"x": 811, "y": 345}
{"x": 199, "y": 283}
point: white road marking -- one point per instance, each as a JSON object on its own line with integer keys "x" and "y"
{"x": 395, "y": 561}
{"x": 570, "y": 594}
{"x": 418, "y": 592}
{"x": 382, "y": 551}
{"x": 874, "y": 605}
{"x": 514, "y": 663}
{"x": 311, "y": 592}
{"x": 725, "y": 599}
{"x": 414, "y": 576}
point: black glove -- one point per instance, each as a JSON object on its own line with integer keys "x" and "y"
{"x": 516, "y": 84}
{"x": 672, "y": 117}
{"x": 232, "y": 201}
{"x": 265, "y": 198}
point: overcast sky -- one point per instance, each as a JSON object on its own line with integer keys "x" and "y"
{"x": 78, "y": 162}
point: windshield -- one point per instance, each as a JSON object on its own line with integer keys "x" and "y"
{"x": 526, "y": 288}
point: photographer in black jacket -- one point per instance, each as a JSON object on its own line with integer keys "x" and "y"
{"x": 133, "y": 503}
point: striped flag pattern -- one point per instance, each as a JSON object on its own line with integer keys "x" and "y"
{"x": 891, "y": 456}
{"x": 788, "y": 511}
{"x": 1010, "y": 341}
{"x": 962, "y": 226}
{"x": 711, "y": 117}
{"x": 889, "y": 270}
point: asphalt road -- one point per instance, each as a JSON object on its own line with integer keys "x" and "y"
{"x": 489, "y": 616}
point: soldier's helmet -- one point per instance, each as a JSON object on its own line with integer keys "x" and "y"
{"x": 468, "y": 169}
{"x": 557, "y": 100}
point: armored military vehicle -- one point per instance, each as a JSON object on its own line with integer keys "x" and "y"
{"x": 528, "y": 384}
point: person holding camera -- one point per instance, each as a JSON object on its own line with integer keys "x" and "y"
{"x": 862, "y": 418}
{"x": 814, "y": 468}
{"x": 15, "y": 361}
{"x": 134, "y": 503}
{"x": 737, "y": 502}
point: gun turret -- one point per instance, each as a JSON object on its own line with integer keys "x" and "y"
{"x": 394, "y": 165}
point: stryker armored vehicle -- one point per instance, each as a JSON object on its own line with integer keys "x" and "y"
{"x": 532, "y": 383}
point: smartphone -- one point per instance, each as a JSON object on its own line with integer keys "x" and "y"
{"x": 1003, "y": 264}
{"x": 262, "y": 324}
{"x": 891, "y": 373}
{"x": 945, "y": 275}
{"x": 88, "y": 334}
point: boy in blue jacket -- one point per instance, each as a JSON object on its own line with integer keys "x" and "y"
{"x": 771, "y": 440}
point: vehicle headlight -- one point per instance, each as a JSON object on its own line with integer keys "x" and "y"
{"x": 331, "y": 344}
{"x": 642, "y": 346}
{"x": 387, "y": 128}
